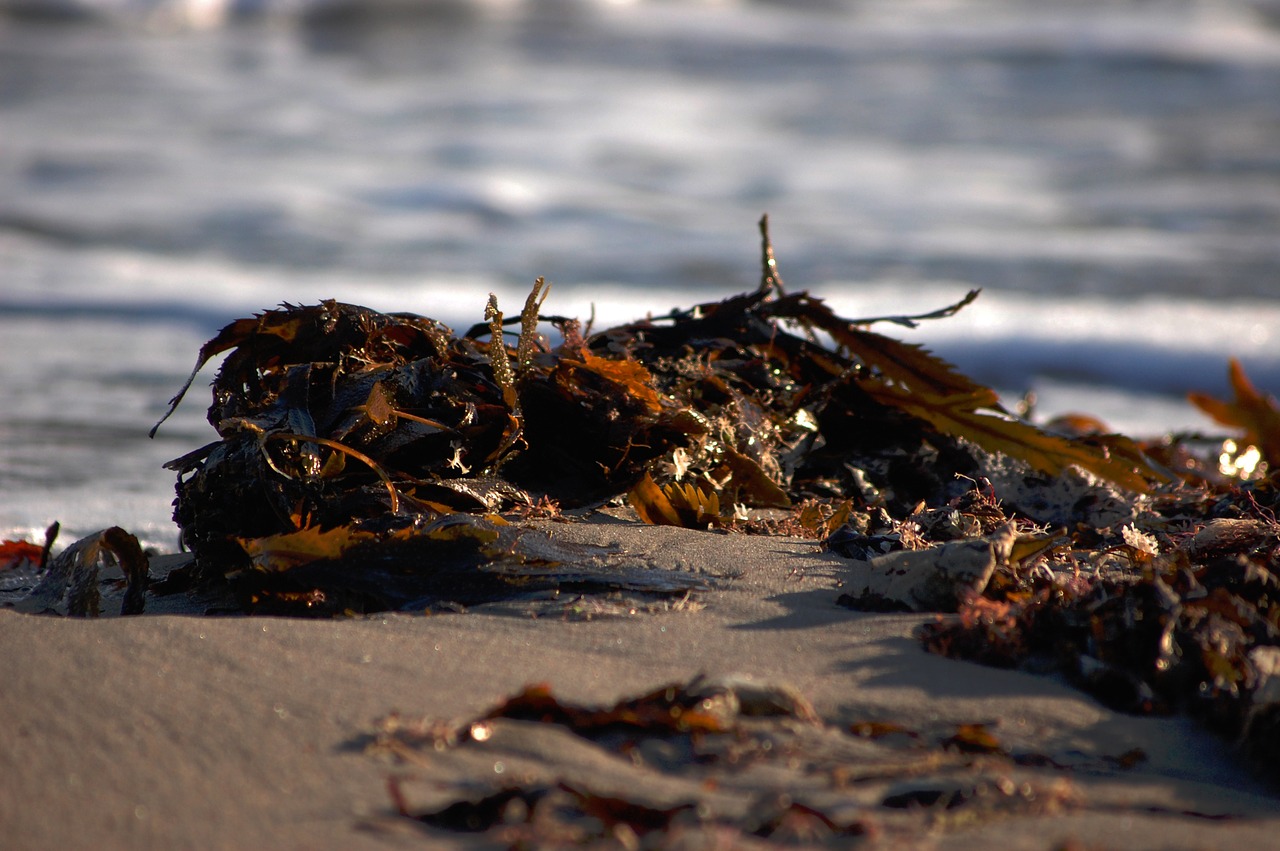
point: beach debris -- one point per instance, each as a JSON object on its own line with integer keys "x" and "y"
{"x": 934, "y": 579}
{"x": 1147, "y": 621}
{"x": 705, "y": 705}
{"x": 437, "y": 564}
{"x": 69, "y": 585}
{"x": 644, "y": 765}
{"x": 371, "y": 461}
{"x": 731, "y": 758}
{"x": 959, "y": 804}
{"x": 1072, "y": 497}
{"x": 1158, "y": 602}
{"x": 675, "y": 504}
{"x": 337, "y": 423}
{"x": 930, "y": 564}
{"x": 19, "y": 556}
{"x": 22, "y": 564}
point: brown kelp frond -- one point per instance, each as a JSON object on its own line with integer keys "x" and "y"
{"x": 1256, "y": 414}
{"x": 675, "y": 504}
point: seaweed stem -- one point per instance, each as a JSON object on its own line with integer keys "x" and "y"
{"x": 504, "y": 377}
{"x": 335, "y": 445}
{"x": 769, "y": 277}
{"x": 529, "y": 325}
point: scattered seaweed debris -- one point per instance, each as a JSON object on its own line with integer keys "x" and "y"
{"x": 1148, "y": 623}
{"x": 69, "y": 583}
{"x": 744, "y": 762}
{"x": 337, "y": 422}
{"x": 1156, "y": 602}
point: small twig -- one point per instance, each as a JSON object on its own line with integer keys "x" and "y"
{"x": 50, "y": 535}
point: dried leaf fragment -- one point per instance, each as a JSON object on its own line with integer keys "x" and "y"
{"x": 974, "y": 738}
{"x": 672, "y": 709}
{"x": 627, "y": 375}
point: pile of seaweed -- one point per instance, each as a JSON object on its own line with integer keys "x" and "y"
{"x": 357, "y": 439}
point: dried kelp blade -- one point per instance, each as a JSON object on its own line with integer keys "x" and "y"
{"x": 456, "y": 559}
{"x": 906, "y": 363}
{"x": 627, "y": 376}
{"x": 229, "y": 337}
{"x": 909, "y": 377}
{"x": 674, "y": 708}
{"x": 1112, "y": 457}
{"x": 279, "y": 553}
{"x": 974, "y": 738}
{"x": 70, "y": 585}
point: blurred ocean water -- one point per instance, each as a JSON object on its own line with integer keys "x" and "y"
{"x": 1108, "y": 173}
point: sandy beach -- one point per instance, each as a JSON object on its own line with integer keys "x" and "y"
{"x": 1024, "y": 357}
{"x": 186, "y": 731}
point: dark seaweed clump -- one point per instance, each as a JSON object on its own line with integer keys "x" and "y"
{"x": 336, "y": 417}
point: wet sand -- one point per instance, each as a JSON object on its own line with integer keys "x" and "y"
{"x": 178, "y": 730}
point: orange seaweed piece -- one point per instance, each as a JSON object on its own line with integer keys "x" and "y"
{"x": 1257, "y": 414}
{"x": 675, "y": 504}
{"x": 15, "y": 554}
